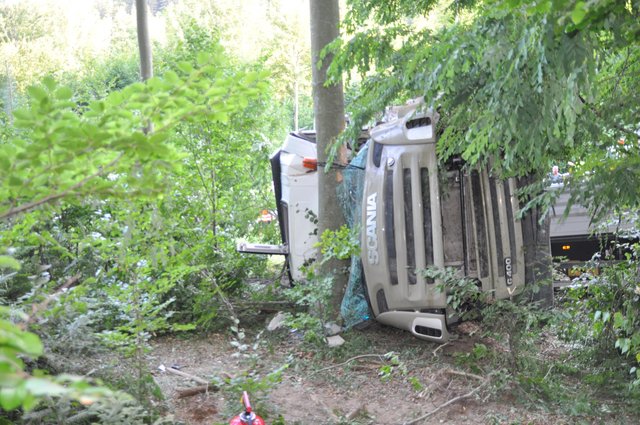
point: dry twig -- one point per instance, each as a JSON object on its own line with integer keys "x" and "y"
{"x": 465, "y": 374}
{"x": 362, "y": 356}
{"x": 439, "y": 347}
{"x": 185, "y": 375}
{"x": 485, "y": 381}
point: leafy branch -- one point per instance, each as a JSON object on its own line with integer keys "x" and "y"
{"x": 56, "y": 196}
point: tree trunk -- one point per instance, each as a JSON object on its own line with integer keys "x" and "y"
{"x": 296, "y": 96}
{"x": 8, "y": 104}
{"x": 144, "y": 45}
{"x": 328, "y": 108}
{"x": 537, "y": 251}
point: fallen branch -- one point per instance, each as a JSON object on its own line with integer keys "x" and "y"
{"x": 548, "y": 372}
{"x": 362, "y": 356}
{"x": 439, "y": 347}
{"x": 185, "y": 375}
{"x": 452, "y": 401}
{"x": 189, "y": 392}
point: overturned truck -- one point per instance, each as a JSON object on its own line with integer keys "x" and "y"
{"x": 413, "y": 213}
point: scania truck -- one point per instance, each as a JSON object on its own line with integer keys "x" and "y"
{"x": 416, "y": 213}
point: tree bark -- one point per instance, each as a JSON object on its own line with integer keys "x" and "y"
{"x": 328, "y": 108}
{"x": 144, "y": 45}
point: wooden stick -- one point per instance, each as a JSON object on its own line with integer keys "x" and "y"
{"x": 439, "y": 347}
{"x": 465, "y": 374}
{"x": 362, "y": 356}
{"x": 188, "y": 392}
{"x": 187, "y": 375}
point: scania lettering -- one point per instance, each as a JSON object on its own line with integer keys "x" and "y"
{"x": 372, "y": 239}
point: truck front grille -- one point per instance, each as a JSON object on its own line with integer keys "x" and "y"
{"x": 480, "y": 225}
{"x": 390, "y": 238}
{"x": 408, "y": 226}
{"x": 409, "y": 248}
{"x": 497, "y": 228}
{"x": 426, "y": 218}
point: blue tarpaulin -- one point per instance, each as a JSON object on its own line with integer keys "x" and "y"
{"x": 354, "y": 308}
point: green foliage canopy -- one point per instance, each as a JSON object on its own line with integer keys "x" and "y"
{"x": 60, "y": 152}
{"x": 529, "y": 83}
{"x": 63, "y": 153}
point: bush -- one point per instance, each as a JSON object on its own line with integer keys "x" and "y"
{"x": 606, "y": 310}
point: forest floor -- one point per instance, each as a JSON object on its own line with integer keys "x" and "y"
{"x": 357, "y": 384}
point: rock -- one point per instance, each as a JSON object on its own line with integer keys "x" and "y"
{"x": 334, "y": 341}
{"x": 332, "y": 329}
{"x": 277, "y": 322}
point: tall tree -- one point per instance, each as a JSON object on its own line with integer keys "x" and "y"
{"x": 328, "y": 107}
{"x": 144, "y": 44}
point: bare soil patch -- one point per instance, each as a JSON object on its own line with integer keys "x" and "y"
{"x": 335, "y": 386}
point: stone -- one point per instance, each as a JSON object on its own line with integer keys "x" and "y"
{"x": 334, "y": 341}
{"x": 277, "y": 322}
{"x": 332, "y": 329}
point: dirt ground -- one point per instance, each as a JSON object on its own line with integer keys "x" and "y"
{"x": 321, "y": 388}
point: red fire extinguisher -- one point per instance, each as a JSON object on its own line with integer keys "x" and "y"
{"x": 248, "y": 417}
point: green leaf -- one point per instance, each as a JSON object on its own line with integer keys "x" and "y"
{"x": 9, "y": 262}
{"x": 31, "y": 344}
{"x": 220, "y": 117}
{"x": 172, "y": 77}
{"x": 579, "y": 12}
{"x": 618, "y": 320}
{"x": 185, "y": 67}
{"x": 624, "y": 344}
{"x": 29, "y": 402}
{"x": 11, "y": 398}
{"x": 23, "y": 114}
{"x": 37, "y": 93}
{"x": 64, "y": 93}
{"x": 49, "y": 83}
{"x": 203, "y": 58}
{"x": 183, "y": 327}
{"x": 543, "y": 6}
{"x": 97, "y": 106}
